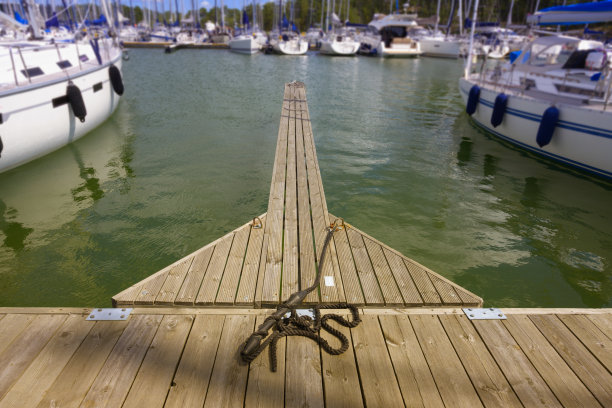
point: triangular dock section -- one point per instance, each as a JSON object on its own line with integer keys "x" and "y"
{"x": 264, "y": 261}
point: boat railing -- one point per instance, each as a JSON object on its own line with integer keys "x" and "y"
{"x": 18, "y": 55}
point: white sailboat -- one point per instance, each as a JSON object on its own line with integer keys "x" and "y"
{"x": 553, "y": 98}
{"x": 439, "y": 44}
{"x": 339, "y": 41}
{"x": 289, "y": 43}
{"x": 53, "y": 93}
{"x": 246, "y": 42}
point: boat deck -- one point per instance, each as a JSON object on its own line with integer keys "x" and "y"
{"x": 262, "y": 263}
{"x": 188, "y": 357}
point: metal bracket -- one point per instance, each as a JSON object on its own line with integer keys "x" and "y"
{"x": 484, "y": 314}
{"x": 303, "y": 312}
{"x": 109, "y": 314}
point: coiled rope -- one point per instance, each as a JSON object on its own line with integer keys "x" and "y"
{"x": 296, "y": 325}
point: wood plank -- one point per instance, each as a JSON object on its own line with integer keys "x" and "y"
{"x": 378, "y": 380}
{"x": 365, "y": 271}
{"x": 250, "y": 270}
{"x": 11, "y": 326}
{"x": 191, "y": 285}
{"x": 350, "y": 279}
{"x": 154, "y": 378}
{"x": 233, "y": 269}
{"x": 40, "y": 374}
{"x": 596, "y": 378}
{"x": 228, "y": 382}
{"x": 520, "y": 373}
{"x": 274, "y": 225}
{"x": 71, "y": 386}
{"x": 308, "y": 269}
{"x": 193, "y": 374}
{"x": 568, "y": 389}
{"x": 261, "y": 272}
{"x": 423, "y": 283}
{"x": 446, "y": 291}
{"x": 114, "y": 380}
{"x": 603, "y": 322}
{"x": 214, "y": 272}
{"x": 411, "y": 370}
{"x": 303, "y": 382}
{"x": 266, "y": 388}
{"x": 490, "y": 383}
{"x": 328, "y": 293}
{"x": 594, "y": 339}
{"x": 173, "y": 283}
{"x": 385, "y": 278}
{"x": 25, "y": 347}
{"x": 453, "y": 382}
{"x": 290, "y": 278}
{"x": 340, "y": 377}
{"x": 148, "y": 291}
{"x": 402, "y": 277}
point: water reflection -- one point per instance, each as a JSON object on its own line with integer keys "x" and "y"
{"x": 47, "y": 193}
{"x": 15, "y": 233}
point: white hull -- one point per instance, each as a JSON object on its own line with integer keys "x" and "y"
{"x": 582, "y": 137}
{"x": 32, "y": 127}
{"x": 292, "y": 47}
{"x": 409, "y": 49}
{"x": 244, "y": 45}
{"x": 440, "y": 47}
{"x": 340, "y": 48}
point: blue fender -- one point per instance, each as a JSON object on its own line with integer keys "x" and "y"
{"x": 499, "y": 108}
{"x": 472, "y": 101}
{"x": 547, "y": 126}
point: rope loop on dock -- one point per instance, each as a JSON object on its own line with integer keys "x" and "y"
{"x": 296, "y": 325}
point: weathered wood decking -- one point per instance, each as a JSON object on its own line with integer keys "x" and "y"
{"x": 415, "y": 357}
{"x": 254, "y": 267}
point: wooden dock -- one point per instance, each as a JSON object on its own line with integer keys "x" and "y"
{"x": 180, "y": 345}
{"x": 262, "y": 263}
{"x": 164, "y": 44}
{"x": 414, "y": 357}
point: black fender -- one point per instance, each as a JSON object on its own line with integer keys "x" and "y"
{"x": 115, "y": 79}
{"x": 75, "y": 99}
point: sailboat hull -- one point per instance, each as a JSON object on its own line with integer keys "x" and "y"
{"x": 582, "y": 136}
{"x": 38, "y": 119}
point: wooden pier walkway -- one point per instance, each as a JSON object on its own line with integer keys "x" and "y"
{"x": 180, "y": 345}
{"x": 253, "y": 266}
{"x": 414, "y": 357}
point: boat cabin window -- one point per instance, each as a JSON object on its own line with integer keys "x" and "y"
{"x": 546, "y": 54}
{"x": 64, "y": 64}
{"x": 32, "y": 72}
{"x": 394, "y": 31}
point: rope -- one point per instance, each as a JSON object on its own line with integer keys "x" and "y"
{"x": 295, "y": 325}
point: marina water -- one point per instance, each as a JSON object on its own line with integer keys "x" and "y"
{"x": 188, "y": 157}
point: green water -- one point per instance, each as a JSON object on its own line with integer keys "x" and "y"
{"x": 188, "y": 157}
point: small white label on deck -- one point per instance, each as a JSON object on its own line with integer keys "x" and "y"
{"x": 329, "y": 281}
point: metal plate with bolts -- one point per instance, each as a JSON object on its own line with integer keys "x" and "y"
{"x": 109, "y": 314}
{"x": 488, "y": 313}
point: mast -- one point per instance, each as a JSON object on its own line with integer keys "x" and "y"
{"x": 468, "y": 64}
{"x": 460, "y": 16}
{"x": 509, "y": 22}
{"x": 437, "y": 18}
